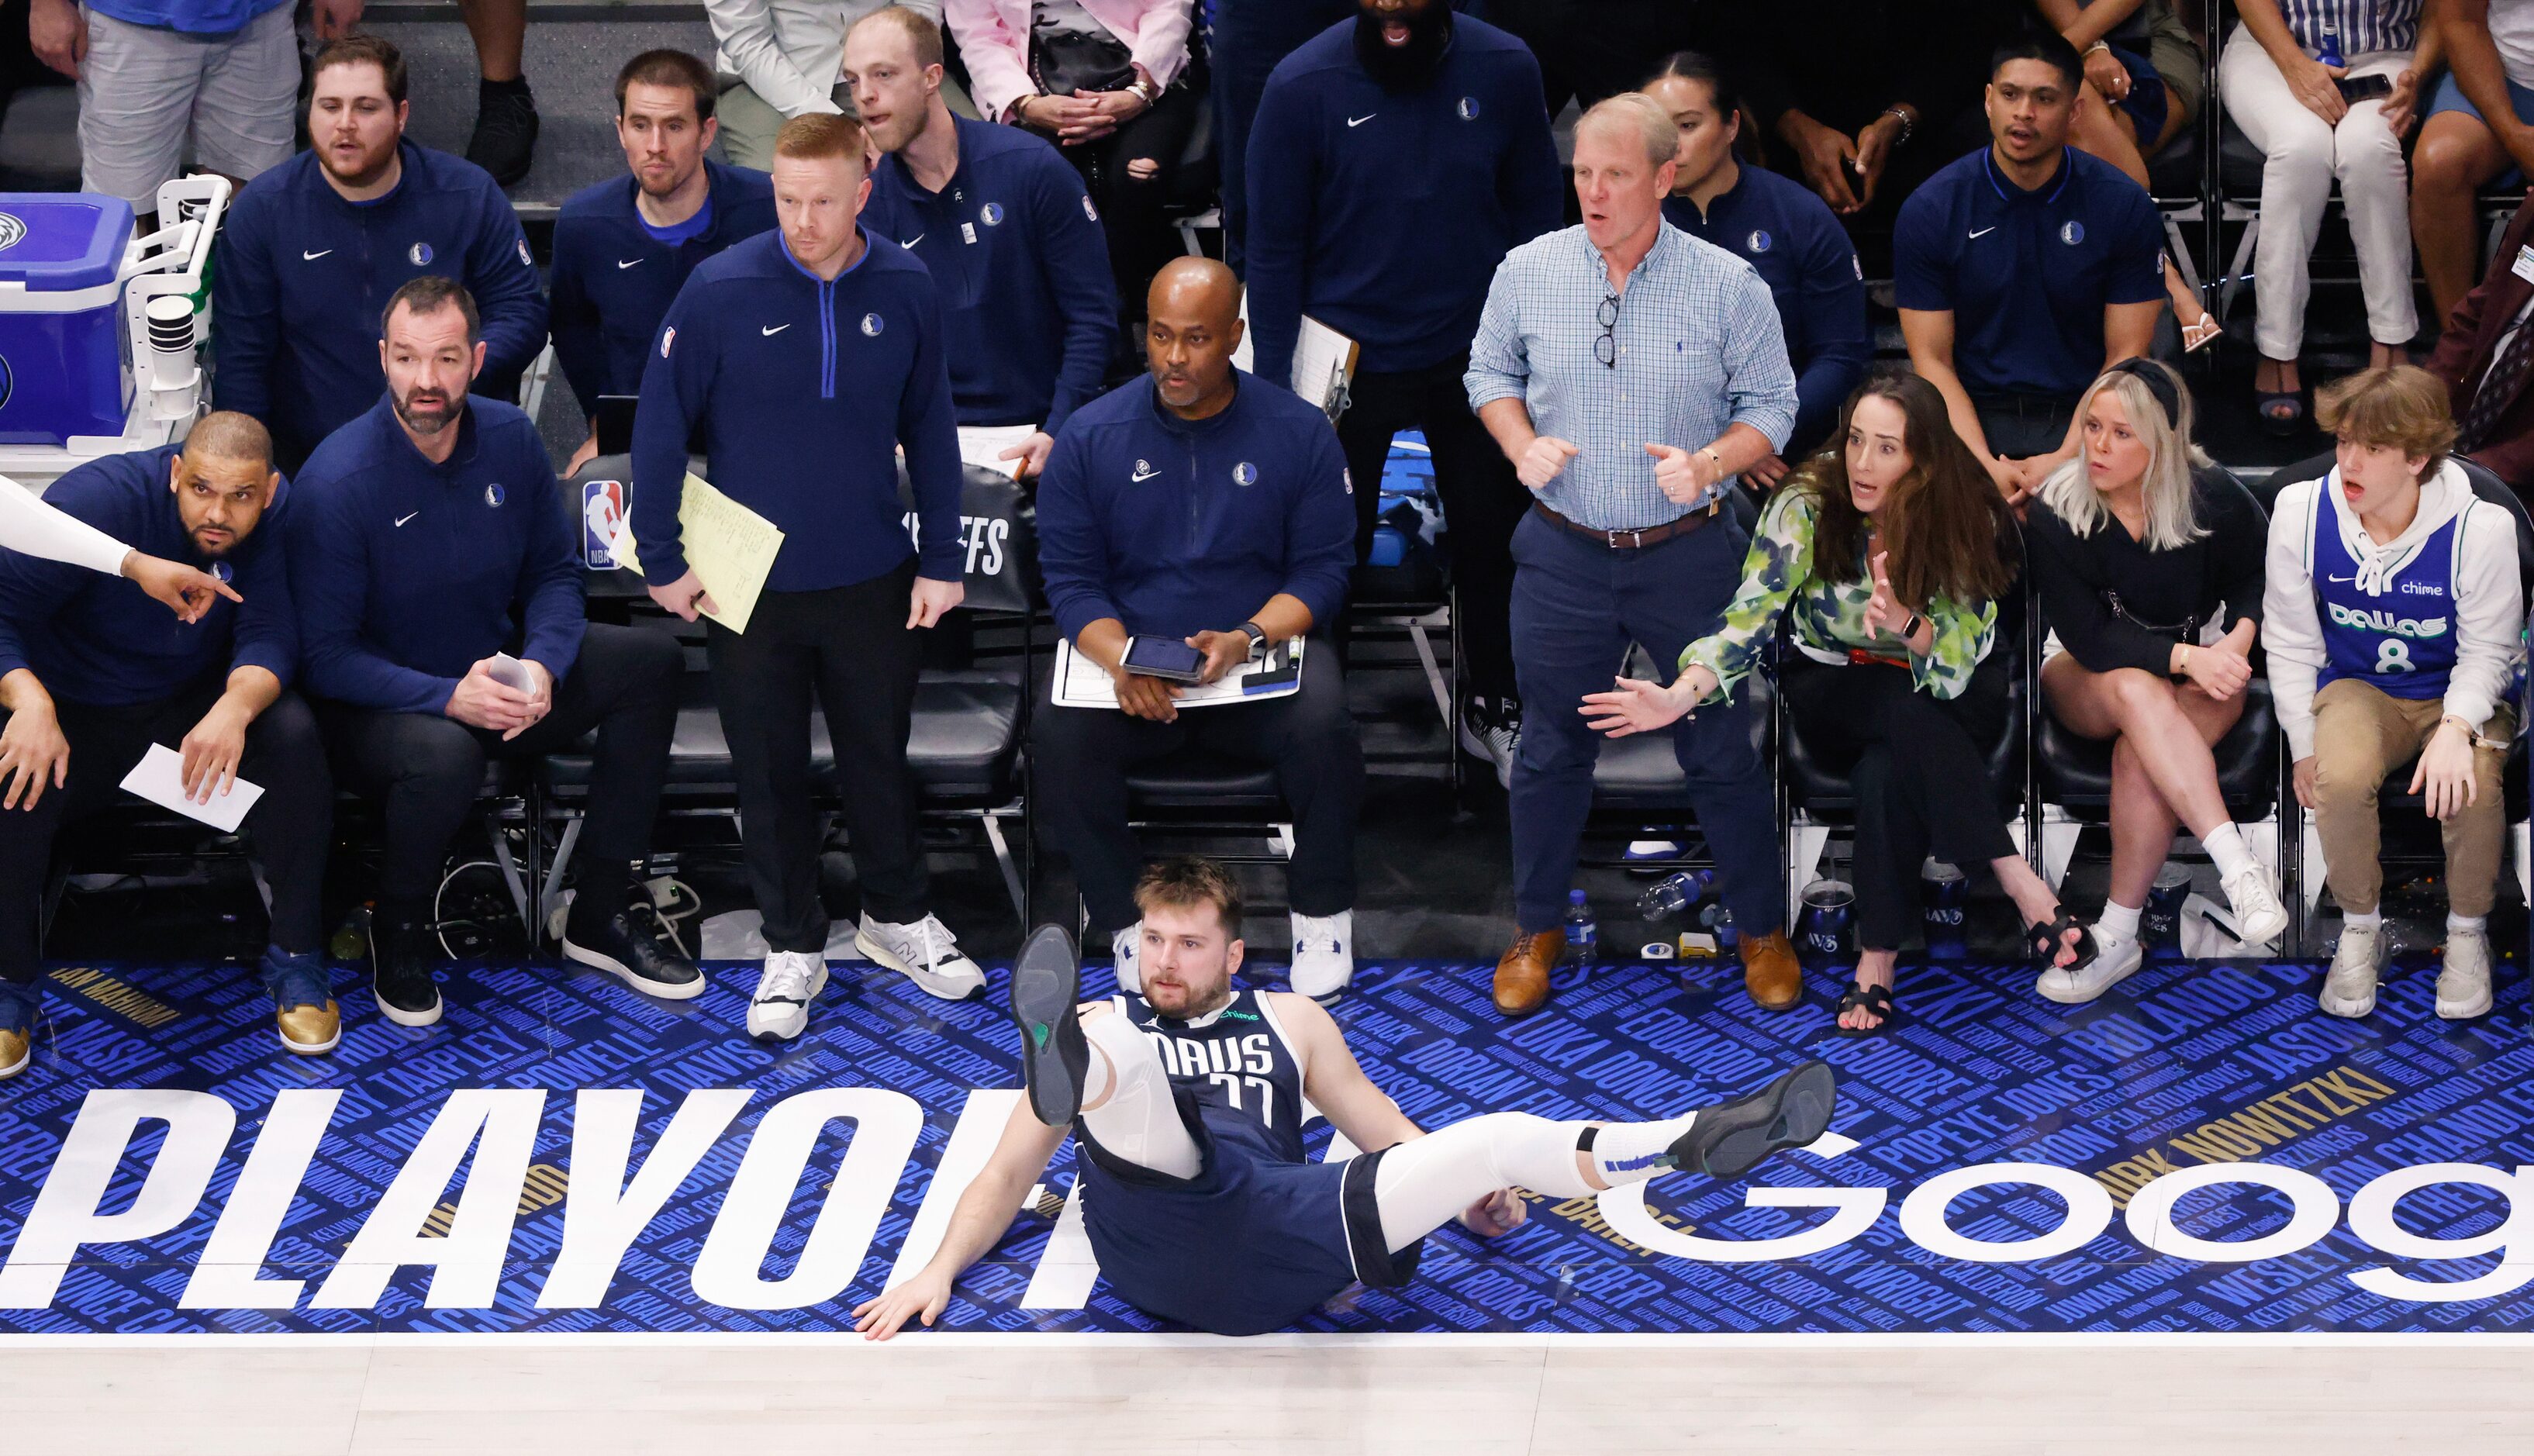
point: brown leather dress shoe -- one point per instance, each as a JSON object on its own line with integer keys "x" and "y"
{"x": 1522, "y": 973}
{"x": 1768, "y": 971}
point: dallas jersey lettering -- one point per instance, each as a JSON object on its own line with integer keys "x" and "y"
{"x": 1259, "y": 1237}
{"x": 2391, "y": 626}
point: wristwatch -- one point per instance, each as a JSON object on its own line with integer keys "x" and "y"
{"x": 1910, "y": 631}
{"x": 1257, "y": 635}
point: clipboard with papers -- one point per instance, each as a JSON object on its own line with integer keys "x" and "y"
{"x": 1276, "y": 673}
{"x": 1324, "y": 366}
{"x": 731, "y": 548}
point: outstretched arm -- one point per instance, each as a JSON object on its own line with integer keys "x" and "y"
{"x": 983, "y": 1212}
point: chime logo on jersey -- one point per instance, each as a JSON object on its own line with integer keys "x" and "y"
{"x": 1759, "y": 241}
{"x": 2409, "y": 627}
{"x": 871, "y": 325}
{"x": 2071, "y": 232}
{"x": 420, "y": 253}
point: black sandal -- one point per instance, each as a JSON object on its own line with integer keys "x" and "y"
{"x": 1876, "y": 999}
{"x": 2045, "y": 943}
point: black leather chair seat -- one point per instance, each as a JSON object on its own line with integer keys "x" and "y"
{"x": 1641, "y": 774}
{"x": 2076, "y": 773}
{"x": 1824, "y": 792}
{"x": 2174, "y": 173}
{"x": 1193, "y": 779}
{"x": 2239, "y": 161}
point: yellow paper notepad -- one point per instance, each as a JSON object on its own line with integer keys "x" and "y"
{"x": 730, "y": 547}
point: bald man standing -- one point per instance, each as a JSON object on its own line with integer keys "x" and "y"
{"x": 1208, "y": 507}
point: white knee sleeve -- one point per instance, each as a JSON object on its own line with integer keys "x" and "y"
{"x": 1126, "y": 1100}
{"x": 1424, "y": 1184}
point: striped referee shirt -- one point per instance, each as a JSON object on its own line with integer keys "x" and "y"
{"x": 2363, "y": 25}
{"x": 1695, "y": 346}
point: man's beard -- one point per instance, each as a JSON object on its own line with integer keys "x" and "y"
{"x": 362, "y": 178}
{"x": 429, "y": 424}
{"x": 1400, "y": 68}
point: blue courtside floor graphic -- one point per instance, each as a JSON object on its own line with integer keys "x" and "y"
{"x": 2199, "y": 1152}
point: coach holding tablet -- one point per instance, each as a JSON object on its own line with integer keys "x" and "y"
{"x": 807, "y": 359}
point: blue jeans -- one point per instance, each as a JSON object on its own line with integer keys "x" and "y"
{"x": 1577, "y": 604}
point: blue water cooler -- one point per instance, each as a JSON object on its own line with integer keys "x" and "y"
{"x": 63, "y": 351}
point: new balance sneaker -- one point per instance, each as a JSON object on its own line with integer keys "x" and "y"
{"x": 1727, "y": 1140}
{"x": 2349, "y": 988}
{"x": 504, "y": 139}
{"x": 303, "y": 1002}
{"x": 634, "y": 946}
{"x": 779, "y": 1010}
{"x": 2115, "y": 957}
{"x": 1648, "y": 856}
{"x": 402, "y": 954}
{"x": 1127, "y": 945}
{"x": 1047, "y": 992}
{"x": 2463, "y": 982}
{"x": 2260, "y": 918}
{"x": 17, "y": 1028}
{"x": 1492, "y": 730}
{"x": 926, "y": 952}
{"x": 1324, "y": 954}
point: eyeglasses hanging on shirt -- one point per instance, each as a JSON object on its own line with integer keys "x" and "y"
{"x": 1607, "y": 348}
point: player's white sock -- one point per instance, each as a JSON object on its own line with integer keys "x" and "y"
{"x": 2228, "y": 850}
{"x": 1632, "y": 1152}
{"x": 1127, "y": 1101}
{"x": 2118, "y": 920}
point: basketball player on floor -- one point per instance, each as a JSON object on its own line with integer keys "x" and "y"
{"x": 1188, "y": 1106}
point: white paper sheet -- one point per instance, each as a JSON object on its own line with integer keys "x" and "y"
{"x": 1083, "y": 682}
{"x": 979, "y": 445}
{"x": 160, "y": 777}
{"x": 1323, "y": 365}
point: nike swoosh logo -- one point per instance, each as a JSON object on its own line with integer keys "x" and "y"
{"x": 408, "y": 515}
{"x": 1356, "y": 121}
{"x": 911, "y": 242}
{"x": 770, "y": 333}
{"x": 1984, "y": 232}
{"x": 2340, "y": 579}
{"x": 1143, "y": 474}
{"x": 625, "y": 263}
{"x": 308, "y": 257}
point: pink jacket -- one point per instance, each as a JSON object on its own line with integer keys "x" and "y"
{"x": 993, "y": 39}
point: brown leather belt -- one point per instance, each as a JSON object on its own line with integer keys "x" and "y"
{"x": 1631, "y": 540}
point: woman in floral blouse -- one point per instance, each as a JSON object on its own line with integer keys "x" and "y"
{"x": 1885, "y": 562}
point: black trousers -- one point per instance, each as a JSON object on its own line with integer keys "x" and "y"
{"x": 1919, "y": 768}
{"x": 1483, "y": 500}
{"x": 1131, "y": 216}
{"x": 2018, "y": 426}
{"x": 428, "y": 768}
{"x": 851, "y": 646}
{"x": 287, "y": 829}
{"x": 1080, "y": 755}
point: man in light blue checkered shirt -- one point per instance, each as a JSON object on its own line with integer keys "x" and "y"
{"x": 1630, "y": 371}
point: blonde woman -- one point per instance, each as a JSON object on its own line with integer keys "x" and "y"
{"x": 2148, "y": 561}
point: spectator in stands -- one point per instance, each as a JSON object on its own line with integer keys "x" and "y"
{"x": 1262, "y": 478}
{"x": 2486, "y": 357}
{"x": 159, "y": 78}
{"x": 91, "y": 679}
{"x": 2394, "y": 623}
{"x": 1396, "y": 157}
{"x": 1103, "y": 79}
{"x": 807, "y": 359}
{"x": 313, "y": 249}
{"x": 1789, "y": 236}
{"x": 2025, "y": 269}
{"x": 1892, "y": 556}
{"x": 2290, "y": 105}
{"x": 1630, "y": 373}
{"x": 2149, "y": 562}
{"x": 623, "y": 246}
{"x": 781, "y": 58}
{"x": 1029, "y": 311}
{"x": 437, "y": 577}
{"x": 2480, "y": 133}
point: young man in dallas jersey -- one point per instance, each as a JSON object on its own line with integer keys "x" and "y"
{"x": 2393, "y": 613}
{"x": 1188, "y": 1100}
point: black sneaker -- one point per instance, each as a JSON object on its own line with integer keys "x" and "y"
{"x": 402, "y": 954}
{"x": 1047, "y": 987}
{"x": 506, "y": 133}
{"x": 1727, "y": 1140}
{"x": 635, "y": 946}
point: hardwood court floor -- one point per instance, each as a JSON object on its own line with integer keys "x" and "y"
{"x": 1465, "y": 1395}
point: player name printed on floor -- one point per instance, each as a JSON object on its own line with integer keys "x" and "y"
{"x": 2201, "y": 1154}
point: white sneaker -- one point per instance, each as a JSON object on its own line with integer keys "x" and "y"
{"x": 2463, "y": 984}
{"x": 1324, "y": 954}
{"x": 2115, "y": 956}
{"x": 1646, "y": 856}
{"x": 2349, "y": 988}
{"x": 2260, "y": 918}
{"x": 926, "y": 952}
{"x": 1127, "y": 945}
{"x": 779, "y": 1010}
{"x": 1490, "y": 733}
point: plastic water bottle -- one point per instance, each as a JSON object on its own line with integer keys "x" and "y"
{"x": 1674, "y": 893}
{"x": 1720, "y": 920}
{"x": 1583, "y": 936}
{"x": 2331, "y": 46}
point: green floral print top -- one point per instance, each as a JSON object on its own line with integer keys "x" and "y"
{"x": 1777, "y": 576}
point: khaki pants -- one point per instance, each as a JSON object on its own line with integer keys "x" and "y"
{"x": 749, "y": 123}
{"x": 2360, "y": 736}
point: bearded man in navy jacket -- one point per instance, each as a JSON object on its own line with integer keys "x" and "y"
{"x": 1208, "y": 506}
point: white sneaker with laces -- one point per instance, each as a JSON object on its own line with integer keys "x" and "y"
{"x": 1127, "y": 945}
{"x": 2349, "y": 988}
{"x": 1490, "y": 733}
{"x": 2260, "y": 918}
{"x": 1324, "y": 954}
{"x": 779, "y": 1010}
{"x": 2463, "y": 982}
{"x": 926, "y": 952}
{"x": 2115, "y": 957}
